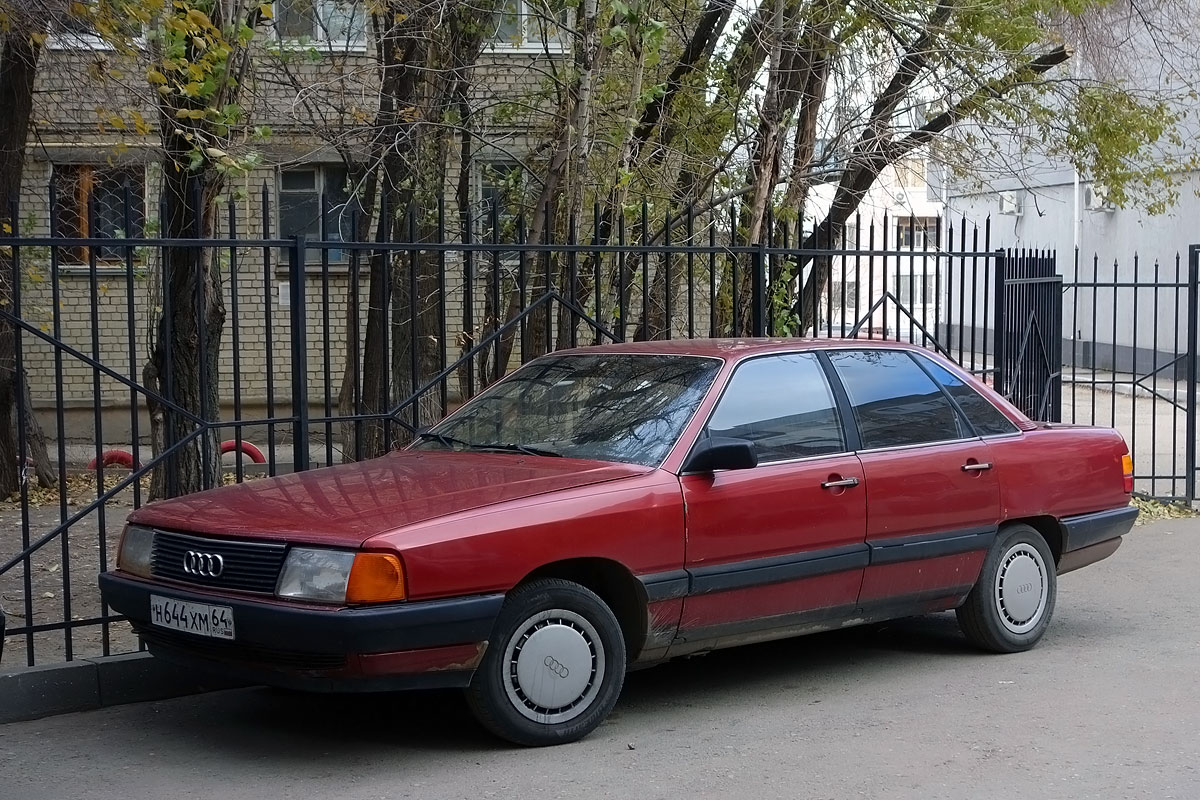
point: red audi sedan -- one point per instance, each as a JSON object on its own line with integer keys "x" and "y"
{"x": 615, "y": 506}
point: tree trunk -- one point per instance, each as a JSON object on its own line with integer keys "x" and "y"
{"x": 350, "y": 433}
{"x": 185, "y": 354}
{"x": 19, "y": 54}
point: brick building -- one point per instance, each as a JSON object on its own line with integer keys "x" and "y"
{"x": 104, "y": 169}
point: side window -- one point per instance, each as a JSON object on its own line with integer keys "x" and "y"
{"x": 783, "y": 404}
{"x": 895, "y": 402}
{"x": 987, "y": 419}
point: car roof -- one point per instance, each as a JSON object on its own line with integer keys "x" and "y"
{"x": 736, "y": 349}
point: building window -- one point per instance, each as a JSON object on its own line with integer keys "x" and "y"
{"x": 917, "y": 233}
{"x": 915, "y": 288}
{"x": 99, "y": 202}
{"x": 331, "y": 21}
{"x": 501, "y": 190}
{"x": 910, "y": 172}
{"x": 301, "y": 193}
{"x": 72, "y": 29}
{"x": 845, "y": 295}
{"x": 537, "y": 25}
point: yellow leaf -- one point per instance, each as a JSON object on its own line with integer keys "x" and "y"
{"x": 139, "y": 123}
{"x": 197, "y": 17}
{"x": 38, "y": 38}
{"x": 266, "y": 11}
{"x": 155, "y": 77}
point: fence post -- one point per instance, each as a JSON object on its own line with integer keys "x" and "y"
{"x": 758, "y": 288}
{"x": 299, "y": 333}
{"x": 999, "y": 378}
{"x": 1189, "y": 479}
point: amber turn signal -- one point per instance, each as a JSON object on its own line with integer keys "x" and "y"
{"x": 375, "y": 578}
{"x": 1127, "y": 466}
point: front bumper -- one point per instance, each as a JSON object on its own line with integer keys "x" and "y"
{"x": 426, "y": 644}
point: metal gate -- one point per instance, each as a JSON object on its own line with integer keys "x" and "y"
{"x": 1028, "y": 332}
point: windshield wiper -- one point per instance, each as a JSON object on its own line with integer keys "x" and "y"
{"x": 450, "y": 441}
{"x": 447, "y": 441}
{"x": 517, "y": 448}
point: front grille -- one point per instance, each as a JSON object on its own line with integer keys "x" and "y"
{"x": 233, "y": 651}
{"x": 247, "y": 566}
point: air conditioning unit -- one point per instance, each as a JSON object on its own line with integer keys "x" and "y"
{"x": 1095, "y": 198}
{"x": 1010, "y": 203}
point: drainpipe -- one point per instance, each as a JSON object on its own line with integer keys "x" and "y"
{"x": 1076, "y": 219}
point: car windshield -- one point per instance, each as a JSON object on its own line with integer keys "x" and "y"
{"x": 607, "y": 407}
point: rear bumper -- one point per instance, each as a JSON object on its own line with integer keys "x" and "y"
{"x": 1090, "y": 529}
{"x": 1088, "y": 538}
{"x": 427, "y": 644}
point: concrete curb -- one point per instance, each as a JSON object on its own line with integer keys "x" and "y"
{"x": 92, "y": 683}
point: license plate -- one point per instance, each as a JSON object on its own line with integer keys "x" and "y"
{"x": 198, "y": 618}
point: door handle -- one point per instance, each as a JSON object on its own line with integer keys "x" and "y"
{"x": 977, "y": 467}
{"x": 845, "y": 482}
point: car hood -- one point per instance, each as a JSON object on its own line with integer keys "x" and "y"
{"x": 347, "y": 504}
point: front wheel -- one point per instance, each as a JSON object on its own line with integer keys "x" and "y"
{"x": 554, "y": 665}
{"x": 1010, "y": 606}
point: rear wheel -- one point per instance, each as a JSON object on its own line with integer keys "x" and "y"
{"x": 553, "y": 668}
{"x": 1010, "y": 607}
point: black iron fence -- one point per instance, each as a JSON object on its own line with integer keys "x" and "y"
{"x": 329, "y": 349}
{"x": 1130, "y": 361}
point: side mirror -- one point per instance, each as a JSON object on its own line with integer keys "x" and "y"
{"x": 720, "y": 452}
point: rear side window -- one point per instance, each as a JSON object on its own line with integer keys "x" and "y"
{"x": 987, "y": 419}
{"x": 895, "y": 402}
{"x": 783, "y": 404}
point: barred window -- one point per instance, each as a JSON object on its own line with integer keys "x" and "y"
{"x": 97, "y": 201}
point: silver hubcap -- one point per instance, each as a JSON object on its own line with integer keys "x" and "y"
{"x": 555, "y": 665}
{"x": 1021, "y": 588}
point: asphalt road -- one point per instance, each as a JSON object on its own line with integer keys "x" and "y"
{"x": 1108, "y": 706}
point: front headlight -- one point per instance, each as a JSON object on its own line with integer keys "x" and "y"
{"x": 340, "y": 576}
{"x": 318, "y": 575}
{"x": 133, "y": 555}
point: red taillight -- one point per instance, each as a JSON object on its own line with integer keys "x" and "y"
{"x": 1127, "y": 466}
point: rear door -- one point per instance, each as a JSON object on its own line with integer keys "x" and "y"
{"x": 932, "y": 493}
{"x": 780, "y": 545}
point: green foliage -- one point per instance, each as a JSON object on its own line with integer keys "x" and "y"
{"x": 1125, "y": 143}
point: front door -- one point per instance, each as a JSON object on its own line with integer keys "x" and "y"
{"x": 933, "y": 497}
{"x": 779, "y": 547}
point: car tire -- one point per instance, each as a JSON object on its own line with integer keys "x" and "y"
{"x": 554, "y": 666}
{"x": 1010, "y": 606}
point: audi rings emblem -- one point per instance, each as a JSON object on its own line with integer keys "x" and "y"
{"x": 205, "y": 565}
{"x": 556, "y": 667}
